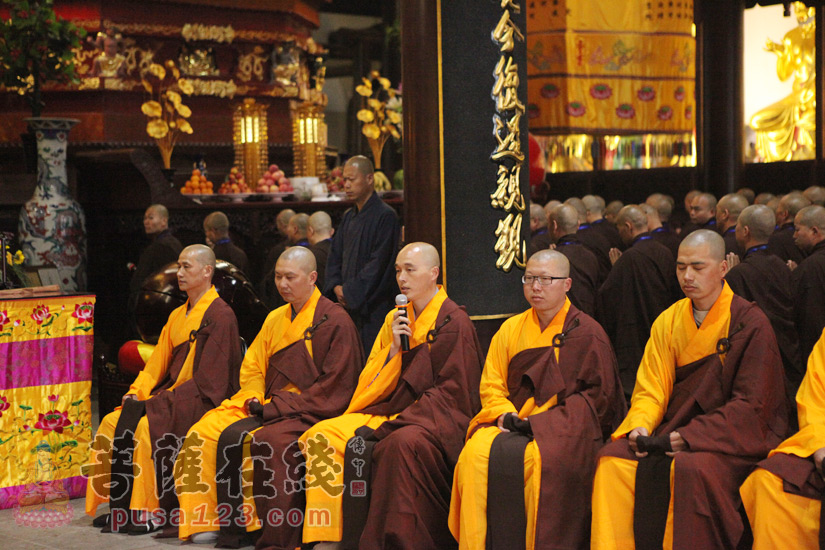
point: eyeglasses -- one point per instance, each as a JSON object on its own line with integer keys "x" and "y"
{"x": 543, "y": 281}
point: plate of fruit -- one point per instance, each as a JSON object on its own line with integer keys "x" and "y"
{"x": 274, "y": 182}
{"x": 197, "y": 184}
{"x": 235, "y": 185}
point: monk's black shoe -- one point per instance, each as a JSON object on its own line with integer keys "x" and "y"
{"x": 101, "y": 521}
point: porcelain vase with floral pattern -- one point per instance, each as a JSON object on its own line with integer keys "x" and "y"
{"x": 52, "y": 227}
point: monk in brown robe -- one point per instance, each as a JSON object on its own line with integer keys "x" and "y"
{"x": 658, "y": 209}
{"x": 540, "y": 238}
{"x": 765, "y": 279}
{"x": 193, "y": 368}
{"x": 595, "y": 218}
{"x": 727, "y": 212}
{"x": 641, "y": 285}
{"x": 550, "y": 396}
{"x": 379, "y": 476}
{"x": 808, "y": 281}
{"x": 709, "y": 403}
{"x": 782, "y": 242}
{"x": 591, "y": 238}
{"x": 584, "y": 266}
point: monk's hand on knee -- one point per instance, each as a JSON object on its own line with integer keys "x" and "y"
{"x": 631, "y": 440}
{"x": 253, "y": 407}
{"x": 819, "y": 455}
{"x": 127, "y": 397}
{"x": 500, "y": 422}
{"x": 677, "y": 443}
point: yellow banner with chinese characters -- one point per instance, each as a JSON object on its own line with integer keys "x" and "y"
{"x": 611, "y": 67}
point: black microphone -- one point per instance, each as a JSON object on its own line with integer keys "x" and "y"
{"x": 401, "y": 304}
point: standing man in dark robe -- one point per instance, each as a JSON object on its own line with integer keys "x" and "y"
{"x": 702, "y": 214}
{"x": 193, "y": 367}
{"x": 727, "y": 212}
{"x": 302, "y": 367}
{"x": 808, "y": 281}
{"x": 584, "y": 266}
{"x": 591, "y": 238}
{"x": 163, "y": 249}
{"x": 782, "y": 242}
{"x": 319, "y": 234}
{"x": 641, "y": 285}
{"x": 765, "y": 279}
{"x": 360, "y": 266}
{"x": 550, "y": 397}
{"x": 710, "y": 391}
{"x": 595, "y": 217}
{"x": 216, "y": 228}
{"x": 412, "y": 409}
{"x": 540, "y": 238}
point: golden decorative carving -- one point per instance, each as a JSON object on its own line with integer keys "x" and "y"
{"x": 82, "y": 61}
{"x": 509, "y": 157}
{"x": 198, "y": 62}
{"x": 217, "y": 88}
{"x": 211, "y": 33}
{"x": 252, "y": 65}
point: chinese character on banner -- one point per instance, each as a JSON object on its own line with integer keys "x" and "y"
{"x": 510, "y": 246}
{"x": 188, "y": 466}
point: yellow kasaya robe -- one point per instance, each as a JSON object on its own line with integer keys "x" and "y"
{"x": 176, "y": 332}
{"x": 325, "y": 473}
{"x": 780, "y": 519}
{"x": 675, "y": 341}
{"x": 468, "y": 504}
{"x": 198, "y": 494}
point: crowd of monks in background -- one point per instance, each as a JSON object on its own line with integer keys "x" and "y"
{"x": 665, "y": 389}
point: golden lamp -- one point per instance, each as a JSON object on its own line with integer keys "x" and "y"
{"x": 308, "y": 140}
{"x": 250, "y": 137}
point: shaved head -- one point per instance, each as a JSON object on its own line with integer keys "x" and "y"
{"x": 200, "y": 253}
{"x": 425, "y": 251}
{"x": 708, "y": 198}
{"x": 217, "y": 222}
{"x": 300, "y": 222}
{"x": 763, "y": 198}
{"x": 653, "y": 220}
{"x": 734, "y": 203}
{"x": 581, "y": 209}
{"x": 748, "y": 193}
{"x": 815, "y": 194}
{"x": 594, "y": 204}
{"x": 282, "y": 220}
{"x": 633, "y": 214}
{"x": 705, "y": 237}
{"x": 663, "y": 206}
{"x": 362, "y": 164}
{"x": 812, "y": 216}
{"x": 302, "y": 257}
{"x": 320, "y": 222}
{"x": 560, "y": 263}
{"x": 612, "y": 209}
{"x": 550, "y": 206}
{"x": 690, "y": 195}
{"x": 538, "y": 216}
{"x": 792, "y": 203}
{"x": 566, "y": 218}
{"x": 760, "y": 221}
{"x": 160, "y": 210}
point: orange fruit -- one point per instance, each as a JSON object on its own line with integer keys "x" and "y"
{"x": 196, "y": 172}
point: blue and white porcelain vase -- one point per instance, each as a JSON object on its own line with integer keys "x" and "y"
{"x": 52, "y": 227}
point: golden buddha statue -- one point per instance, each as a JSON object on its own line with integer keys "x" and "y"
{"x": 786, "y": 129}
{"x": 110, "y": 63}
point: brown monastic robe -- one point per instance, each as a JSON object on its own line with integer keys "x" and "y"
{"x": 808, "y": 287}
{"x": 641, "y": 285}
{"x": 414, "y": 458}
{"x": 584, "y": 272}
{"x": 781, "y": 244}
{"x": 327, "y": 380}
{"x": 569, "y": 435}
{"x": 731, "y": 411}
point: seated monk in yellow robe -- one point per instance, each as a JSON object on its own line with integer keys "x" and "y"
{"x": 301, "y": 368}
{"x": 783, "y": 496}
{"x": 379, "y": 476}
{"x": 708, "y": 404}
{"x": 550, "y": 396}
{"x": 193, "y": 368}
